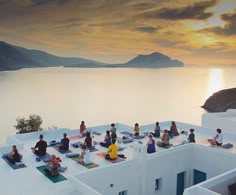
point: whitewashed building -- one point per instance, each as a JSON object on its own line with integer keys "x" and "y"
{"x": 195, "y": 169}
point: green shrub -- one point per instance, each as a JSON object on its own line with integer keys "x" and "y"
{"x": 29, "y": 125}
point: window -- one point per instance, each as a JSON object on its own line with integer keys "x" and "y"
{"x": 123, "y": 192}
{"x": 157, "y": 184}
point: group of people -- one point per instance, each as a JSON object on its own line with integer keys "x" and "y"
{"x": 110, "y": 142}
{"x": 217, "y": 140}
{"x": 167, "y": 134}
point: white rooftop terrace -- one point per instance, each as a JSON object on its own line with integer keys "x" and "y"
{"x": 139, "y": 169}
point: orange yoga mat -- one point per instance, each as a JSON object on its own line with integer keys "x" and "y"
{"x": 75, "y": 137}
{"x": 101, "y": 154}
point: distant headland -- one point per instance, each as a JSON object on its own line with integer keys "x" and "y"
{"x": 221, "y": 101}
{"x": 14, "y": 58}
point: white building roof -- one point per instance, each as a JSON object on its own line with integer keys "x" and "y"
{"x": 136, "y": 174}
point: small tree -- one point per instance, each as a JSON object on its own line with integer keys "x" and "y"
{"x": 29, "y": 125}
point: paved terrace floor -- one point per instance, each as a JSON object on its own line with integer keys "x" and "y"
{"x": 30, "y": 181}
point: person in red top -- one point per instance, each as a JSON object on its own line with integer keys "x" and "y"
{"x": 82, "y": 128}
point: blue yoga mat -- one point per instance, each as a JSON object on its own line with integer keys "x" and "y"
{"x": 14, "y": 166}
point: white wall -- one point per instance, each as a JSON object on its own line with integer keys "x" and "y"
{"x": 220, "y": 183}
{"x": 138, "y": 176}
{"x": 222, "y": 188}
{"x": 81, "y": 187}
{"x": 223, "y": 120}
{"x": 198, "y": 190}
{"x": 212, "y": 161}
{"x": 123, "y": 176}
{"x": 216, "y": 185}
{"x": 166, "y": 165}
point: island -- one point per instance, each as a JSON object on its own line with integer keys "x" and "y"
{"x": 14, "y": 58}
{"x": 221, "y": 101}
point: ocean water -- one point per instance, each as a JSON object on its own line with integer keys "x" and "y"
{"x": 65, "y": 96}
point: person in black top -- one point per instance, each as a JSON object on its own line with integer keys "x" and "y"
{"x": 40, "y": 147}
{"x": 14, "y": 156}
{"x": 64, "y": 145}
{"x": 88, "y": 140}
{"x": 191, "y": 136}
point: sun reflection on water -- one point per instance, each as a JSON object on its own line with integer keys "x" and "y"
{"x": 215, "y": 82}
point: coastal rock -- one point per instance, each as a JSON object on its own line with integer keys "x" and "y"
{"x": 221, "y": 101}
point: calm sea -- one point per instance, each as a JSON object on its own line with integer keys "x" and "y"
{"x": 65, "y": 96}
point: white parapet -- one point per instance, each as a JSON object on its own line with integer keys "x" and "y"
{"x": 223, "y": 120}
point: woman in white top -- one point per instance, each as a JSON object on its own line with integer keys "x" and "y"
{"x": 84, "y": 157}
{"x": 218, "y": 139}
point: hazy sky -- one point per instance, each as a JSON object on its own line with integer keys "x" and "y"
{"x": 114, "y": 31}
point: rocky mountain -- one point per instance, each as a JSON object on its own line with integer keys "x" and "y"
{"x": 221, "y": 101}
{"x": 154, "y": 60}
{"x": 14, "y": 58}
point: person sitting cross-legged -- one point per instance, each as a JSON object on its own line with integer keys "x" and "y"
{"x": 107, "y": 140}
{"x": 191, "y": 136}
{"x": 151, "y": 145}
{"x": 112, "y": 152}
{"x": 173, "y": 130}
{"x": 217, "y": 139}
{"x": 164, "y": 139}
{"x": 14, "y": 156}
{"x": 83, "y": 128}
{"x": 156, "y": 130}
{"x": 54, "y": 167}
{"x": 88, "y": 140}
{"x": 64, "y": 145}
{"x": 136, "y": 129}
{"x": 40, "y": 147}
{"x": 84, "y": 157}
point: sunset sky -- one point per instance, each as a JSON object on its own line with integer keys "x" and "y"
{"x": 114, "y": 31}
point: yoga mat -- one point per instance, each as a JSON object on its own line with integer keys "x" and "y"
{"x": 119, "y": 148}
{"x": 96, "y": 133}
{"x": 93, "y": 149}
{"x": 54, "y": 179}
{"x": 14, "y": 166}
{"x": 76, "y": 144}
{"x": 138, "y": 137}
{"x": 88, "y": 166}
{"x": 101, "y": 154}
{"x": 62, "y": 151}
{"x": 166, "y": 147}
{"x": 125, "y": 133}
{"x": 46, "y": 158}
{"x": 75, "y": 137}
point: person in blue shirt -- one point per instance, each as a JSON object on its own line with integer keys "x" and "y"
{"x": 64, "y": 145}
{"x": 107, "y": 140}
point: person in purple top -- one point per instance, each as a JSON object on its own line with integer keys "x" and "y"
{"x": 151, "y": 145}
